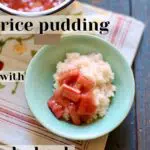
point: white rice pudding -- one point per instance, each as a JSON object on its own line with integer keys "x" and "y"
{"x": 95, "y": 68}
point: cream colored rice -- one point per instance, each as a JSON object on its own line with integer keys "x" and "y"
{"x": 95, "y": 68}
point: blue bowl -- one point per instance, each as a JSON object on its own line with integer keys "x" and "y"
{"x": 39, "y": 86}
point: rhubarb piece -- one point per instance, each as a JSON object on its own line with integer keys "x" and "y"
{"x": 73, "y": 113}
{"x": 58, "y": 110}
{"x": 55, "y": 108}
{"x": 87, "y": 104}
{"x": 84, "y": 84}
{"x": 69, "y": 77}
{"x": 70, "y": 93}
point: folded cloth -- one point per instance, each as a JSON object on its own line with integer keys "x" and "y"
{"x": 17, "y": 124}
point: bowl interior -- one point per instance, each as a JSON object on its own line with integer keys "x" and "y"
{"x": 39, "y": 86}
{"x": 31, "y": 14}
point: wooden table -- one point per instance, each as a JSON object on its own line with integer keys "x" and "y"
{"x": 134, "y": 132}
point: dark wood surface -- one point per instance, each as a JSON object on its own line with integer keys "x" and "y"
{"x": 134, "y": 132}
{"x": 142, "y": 76}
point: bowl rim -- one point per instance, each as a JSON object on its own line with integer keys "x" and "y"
{"x": 95, "y": 135}
{"x": 36, "y": 14}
